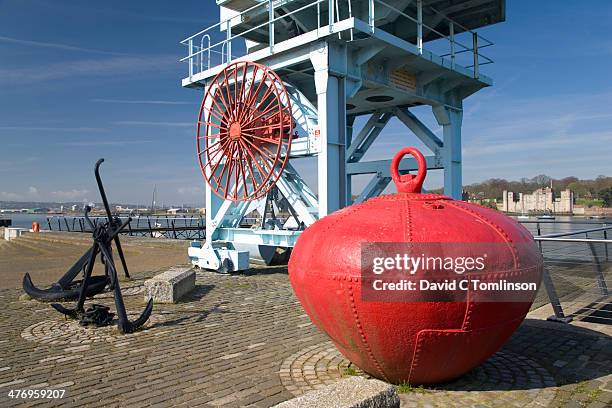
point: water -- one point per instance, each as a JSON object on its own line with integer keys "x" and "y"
{"x": 26, "y": 220}
{"x": 557, "y": 225}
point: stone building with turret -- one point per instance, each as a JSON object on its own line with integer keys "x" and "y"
{"x": 540, "y": 201}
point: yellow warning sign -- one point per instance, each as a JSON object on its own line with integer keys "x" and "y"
{"x": 402, "y": 79}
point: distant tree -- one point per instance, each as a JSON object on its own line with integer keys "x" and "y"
{"x": 602, "y": 183}
{"x": 579, "y": 189}
{"x": 565, "y": 182}
{"x": 542, "y": 180}
{"x": 494, "y": 187}
{"x": 606, "y": 196}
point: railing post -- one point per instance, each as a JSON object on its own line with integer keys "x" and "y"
{"x": 205, "y": 36}
{"x": 420, "y": 26}
{"x": 475, "y": 49}
{"x": 271, "y": 25}
{"x": 208, "y": 55}
{"x": 190, "y": 58}
{"x": 451, "y": 29}
{"x": 229, "y": 41}
{"x": 371, "y": 15}
{"x": 606, "y": 244}
{"x": 601, "y": 279}
{"x": 331, "y": 14}
{"x": 559, "y": 316}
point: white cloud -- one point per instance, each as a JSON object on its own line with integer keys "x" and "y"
{"x": 5, "y": 195}
{"x": 31, "y": 194}
{"x": 109, "y": 67}
{"x": 143, "y": 102}
{"x": 70, "y": 194}
{"x": 190, "y": 190}
{"x": 149, "y": 123}
{"x": 118, "y": 143}
{"x": 41, "y": 44}
{"x": 53, "y": 129}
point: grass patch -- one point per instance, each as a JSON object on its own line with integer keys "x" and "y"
{"x": 581, "y": 394}
{"x": 590, "y": 202}
{"x": 407, "y": 388}
{"x": 592, "y": 396}
{"x": 350, "y": 371}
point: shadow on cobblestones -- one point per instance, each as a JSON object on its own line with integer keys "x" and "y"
{"x": 264, "y": 270}
{"x": 597, "y": 311}
{"x": 192, "y": 316}
{"x": 197, "y": 294}
{"x": 543, "y": 364}
{"x": 539, "y": 356}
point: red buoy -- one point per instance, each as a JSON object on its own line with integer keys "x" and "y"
{"x": 418, "y": 336}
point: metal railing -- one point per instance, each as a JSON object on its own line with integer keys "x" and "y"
{"x": 478, "y": 42}
{"x": 199, "y": 57}
{"x": 224, "y": 46}
{"x": 155, "y": 226}
{"x": 576, "y": 270}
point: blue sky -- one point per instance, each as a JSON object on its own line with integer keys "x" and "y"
{"x": 83, "y": 80}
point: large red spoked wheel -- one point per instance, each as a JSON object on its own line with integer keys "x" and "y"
{"x": 244, "y": 131}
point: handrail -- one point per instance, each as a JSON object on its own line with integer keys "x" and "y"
{"x": 588, "y": 240}
{"x": 423, "y": 24}
{"x": 247, "y": 31}
{"x": 584, "y": 231}
{"x": 465, "y": 29}
{"x": 559, "y": 314}
{"x": 221, "y": 22}
{"x": 333, "y": 15}
{"x": 451, "y": 38}
{"x": 575, "y": 222}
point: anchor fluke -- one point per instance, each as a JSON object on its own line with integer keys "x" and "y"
{"x": 56, "y": 292}
{"x": 72, "y": 313}
{"x": 125, "y": 326}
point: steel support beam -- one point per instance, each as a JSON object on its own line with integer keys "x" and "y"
{"x": 450, "y": 119}
{"x": 419, "y": 129}
{"x": 367, "y": 136}
{"x": 329, "y": 60}
{"x": 350, "y": 121}
{"x": 382, "y": 166}
{"x": 212, "y": 201}
{"x": 358, "y": 146}
{"x": 298, "y": 195}
{"x": 374, "y": 188}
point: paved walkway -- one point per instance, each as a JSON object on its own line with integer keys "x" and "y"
{"x": 47, "y": 255}
{"x": 244, "y": 340}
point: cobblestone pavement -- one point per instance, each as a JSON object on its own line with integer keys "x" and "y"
{"x": 244, "y": 340}
{"x": 45, "y": 256}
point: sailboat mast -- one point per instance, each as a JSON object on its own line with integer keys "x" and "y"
{"x": 153, "y": 200}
